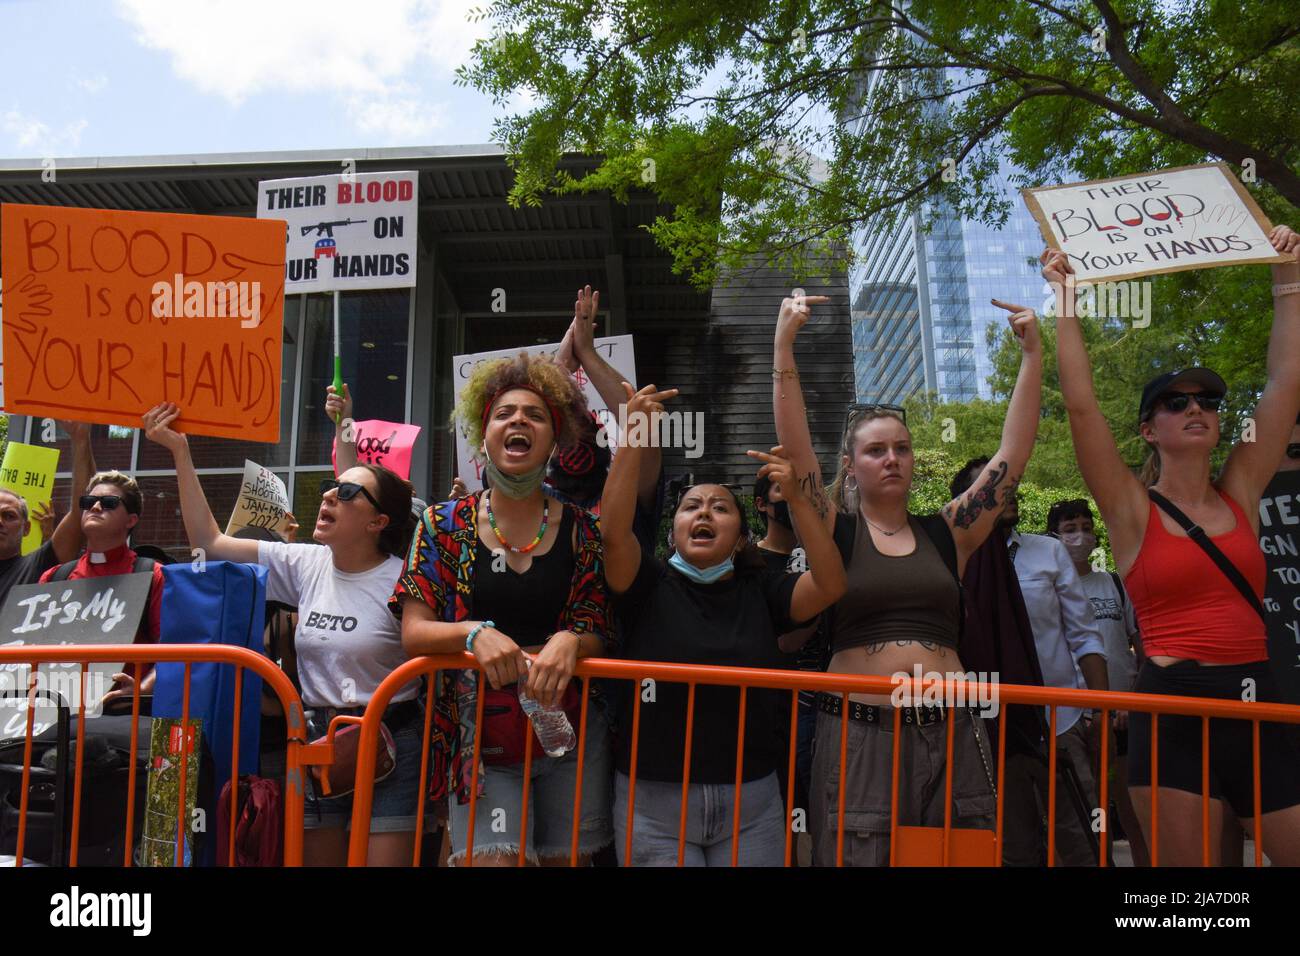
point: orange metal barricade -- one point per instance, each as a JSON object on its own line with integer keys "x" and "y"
{"x": 909, "y": 845}
{"x": 298, "y": 754}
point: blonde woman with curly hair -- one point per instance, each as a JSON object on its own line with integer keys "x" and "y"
{"x": 515, "y": 578}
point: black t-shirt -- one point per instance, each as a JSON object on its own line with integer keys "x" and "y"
{"x": 26, "y": 568}
{"x": 666, "y": 617}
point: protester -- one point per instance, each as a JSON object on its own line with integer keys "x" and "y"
{"x": 1201, "y": 617}
{"x": 1071, "y": 654}
{"x": 1072, "y": 522}
{"x": 346, "y": 642}
{"x": 526, "y": 609}
{"x": 902, "y": 611}
{"x": 64, "y": 542}
{"x": 713, "y": 602}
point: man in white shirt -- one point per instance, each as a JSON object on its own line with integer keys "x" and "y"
{"x": 1070, "y": 654}
{"x": 1072, "y": 523}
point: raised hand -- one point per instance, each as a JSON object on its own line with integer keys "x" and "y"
{"x": 338, "y": 407}
{"x": 779, "y": 468}
{"x": 795, "y": 313}
{"x": 585, "y": 310}
{"x": 1024, "y": 322}
{"x": 648, "y": 401}
{"x": 157, "y": 426}
{"x": 43, "y": 515}
{"x": 1285, "y": 240}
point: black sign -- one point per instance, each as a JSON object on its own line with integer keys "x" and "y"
{"x": 103, "y": 610}
{"x": 1279, "y": 538}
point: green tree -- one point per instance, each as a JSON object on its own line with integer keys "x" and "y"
{"x": 727, "y": 109}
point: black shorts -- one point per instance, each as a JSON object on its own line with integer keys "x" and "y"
{"x": 1231, "y": 748}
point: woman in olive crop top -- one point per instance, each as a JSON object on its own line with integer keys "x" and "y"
{"x": 1203, "y": 635}
{"x": 902, "y": 610}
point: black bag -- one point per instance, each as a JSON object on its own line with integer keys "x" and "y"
{"x": 105, "y": 782}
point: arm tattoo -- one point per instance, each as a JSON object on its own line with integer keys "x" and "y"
{"x": 986, "y": 498}
{"x": 816, "y": 495}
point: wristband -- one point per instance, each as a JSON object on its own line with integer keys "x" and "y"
{"x": 473, "y": 633}
{"x": 1290, "y": 288}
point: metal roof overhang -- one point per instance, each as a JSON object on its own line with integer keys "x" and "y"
{"x": 480, "y": 242}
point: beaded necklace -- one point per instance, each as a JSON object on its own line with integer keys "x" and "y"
{"x": 546, "y": 512}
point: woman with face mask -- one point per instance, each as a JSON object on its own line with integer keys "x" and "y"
{"x": 1072, "y": 523}
{"x": 713, "y": 602}
{"x": 1201, "y": 613}
{"x": 902, "y": 610}
{"x": 514, "y": 577}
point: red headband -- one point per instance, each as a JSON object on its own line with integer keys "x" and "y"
{"x": 555, "y": 415}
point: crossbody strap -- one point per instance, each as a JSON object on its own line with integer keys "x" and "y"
{"x": 1197, "y": 534}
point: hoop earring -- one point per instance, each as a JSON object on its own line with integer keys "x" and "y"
{"x": 851, "y": 489}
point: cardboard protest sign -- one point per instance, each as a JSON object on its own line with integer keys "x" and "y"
{"x": 381, "y": 443}
{"x": 263, "y": 501}
{"x": 615, "y": 349}
{"x": 1279, "y": 539}
{"x": 1192, "y": 217}
{"x": 29, "y": 470}
{"x": 109, "y": 313}
{"x": 350, "y": 231}
{"x": 105, "y": 610}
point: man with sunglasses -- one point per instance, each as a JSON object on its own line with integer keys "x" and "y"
{"x": 15, "y": 522}
{"x": 110, "y": 508}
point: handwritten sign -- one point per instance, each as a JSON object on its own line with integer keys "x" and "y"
{"x": 1279, "y": 539}
{"x": 615, "y": 349}
{"x": 1192, "y": 217}
{"x": 382, "y": 443}
{"x": 109, "y": 313}
{"x": 103, "y": 610}
{"x": 350, "y": 231}
{"x": 263, "y": 501}
{"x": 29, "y": 470}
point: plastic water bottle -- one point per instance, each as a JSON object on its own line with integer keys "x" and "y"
{"x": 551, "y": 723}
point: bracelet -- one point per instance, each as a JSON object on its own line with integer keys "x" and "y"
{"x": 785, "y": 373}
{"x": 1290, "y": 288}
{"x": 473, "y": 633}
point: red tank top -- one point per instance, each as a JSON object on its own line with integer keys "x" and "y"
{"x": 1186, "y": 606}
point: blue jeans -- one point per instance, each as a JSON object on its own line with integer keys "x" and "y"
{"x": 710, "y": 815}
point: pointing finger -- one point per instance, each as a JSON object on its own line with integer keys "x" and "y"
{"x": 1009, "y": 306}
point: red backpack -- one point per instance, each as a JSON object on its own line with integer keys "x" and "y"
{"x": 259, "y": 823}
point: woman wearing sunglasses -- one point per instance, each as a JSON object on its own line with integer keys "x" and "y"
{"x": 902, "y": 611}
{"x": 515, "y": 578}
{"x": 346, "y": 641}
{"x": 1200, "y": 613}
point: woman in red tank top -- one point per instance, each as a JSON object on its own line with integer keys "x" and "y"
{"x": 1202, "y": 633}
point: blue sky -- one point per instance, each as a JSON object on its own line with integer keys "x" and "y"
{"x": 147, "y": 77}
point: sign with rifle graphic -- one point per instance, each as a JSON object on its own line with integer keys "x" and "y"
{"x": 349, "y": 231}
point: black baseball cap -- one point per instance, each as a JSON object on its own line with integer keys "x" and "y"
{"x": 1151, "y": 392}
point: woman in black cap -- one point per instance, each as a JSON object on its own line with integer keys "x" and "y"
{"x": 1198, "y": 598}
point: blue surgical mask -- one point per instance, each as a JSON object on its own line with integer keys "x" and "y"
{"x": 707, "y": 576}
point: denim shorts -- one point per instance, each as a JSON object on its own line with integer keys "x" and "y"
{"x": 498, "y": 812}
{"x": 395, "y": 798}
{"x": 710, "y": 820}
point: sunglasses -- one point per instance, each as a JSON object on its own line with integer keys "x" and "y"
{"x": 858, "y": 409}
{"x": 1293, "y": 450}
{"x": 1177, "y": 401}
{"x": 347, "y": 490}
{"x": 106, "y": 502}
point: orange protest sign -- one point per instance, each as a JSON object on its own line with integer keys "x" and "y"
{"x": 108, "y": 313}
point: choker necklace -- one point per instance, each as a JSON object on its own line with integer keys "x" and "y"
{"x": 887, "y": 534}
{"x": 546, "y": 513}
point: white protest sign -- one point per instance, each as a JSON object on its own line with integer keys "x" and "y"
{"x": 615, "y": 349}
{"x": 263, "y": 501}
{"x": 1193, "y": 217}
{"x": 350, "y": 231}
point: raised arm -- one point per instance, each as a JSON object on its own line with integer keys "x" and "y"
{"x": 788, "y": 408}
{"x": 823, "y": 585}
{"x": 618, "y": 500}
{"x": 973, "y": 514}
{"x": 339, "y": 409}
{"x": 67, "y": 539}
{"x": 608, "y": 383}
{"x": 1119, "y": 495}
{"x": 1252, "y": 464}
{"x": 200, "y": 527}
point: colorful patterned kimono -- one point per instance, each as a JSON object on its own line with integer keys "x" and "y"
{"x": 440, "y": 572}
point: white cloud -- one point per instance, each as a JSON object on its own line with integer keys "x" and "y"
{"x": 395, "y": 117}
{"x": 36, "y": 137}
{"x": 237, "y": 48}
{"x": 91, "y": 84}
